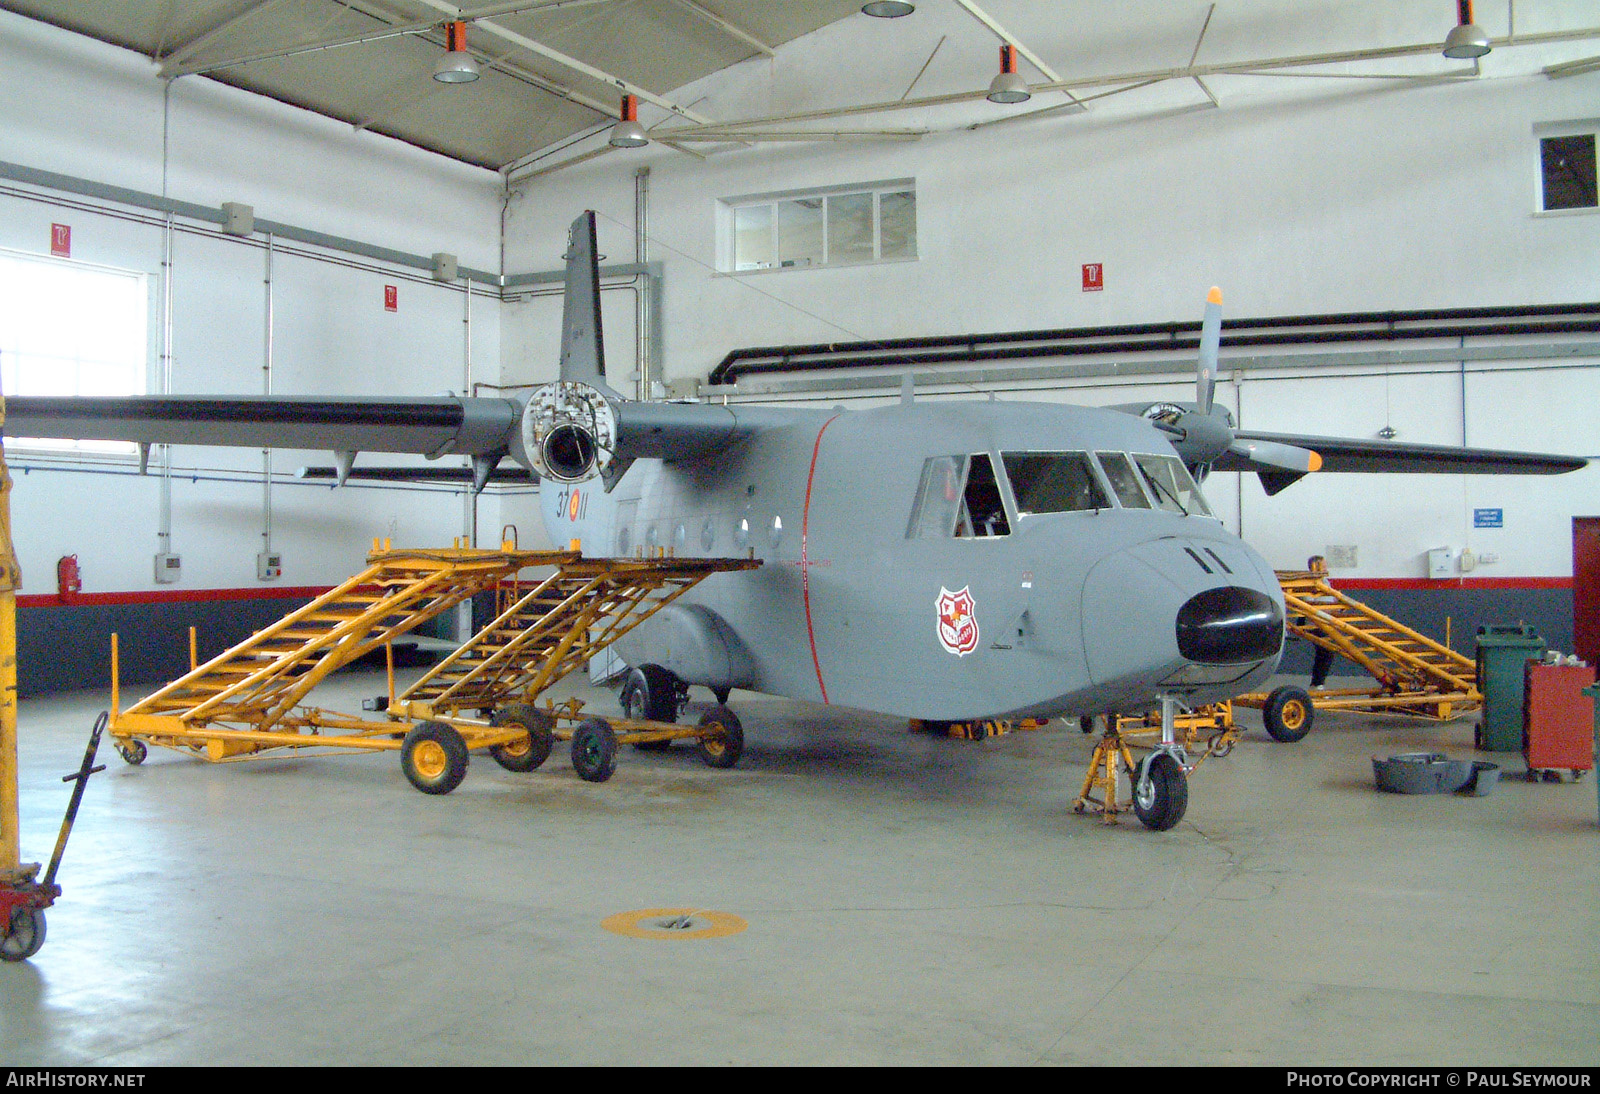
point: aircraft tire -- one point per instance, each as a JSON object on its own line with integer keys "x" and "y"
{"x": 725, "y": 748}
{"x": 594, "y": 750}
{"x": 1167, "y": 797}
{"x": 1288, "y": 713}
{"x": 24, "y": 934}
{"x": 434, "y": 757}
{"x": 650, "y": 695}
{"x": 524, "y": 755}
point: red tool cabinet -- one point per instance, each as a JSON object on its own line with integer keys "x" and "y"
{"x": 1558, "y": 717}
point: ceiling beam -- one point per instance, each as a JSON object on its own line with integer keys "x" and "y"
{"x": 1188, "y": 72}
{"x": 572, "y": 63}
{"x": 727, "y": 26}
{"x": 183, "y": 65}
{"x": 221, "y": 26}
{"x": 1572, "y": 68}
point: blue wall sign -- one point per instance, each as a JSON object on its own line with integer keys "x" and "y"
{"x": 1488, "y": 518}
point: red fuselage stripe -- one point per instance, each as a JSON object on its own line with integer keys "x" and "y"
{"x": 805, "y": 558}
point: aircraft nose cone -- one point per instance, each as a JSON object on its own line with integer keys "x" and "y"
{"x": 1229, "y": 625}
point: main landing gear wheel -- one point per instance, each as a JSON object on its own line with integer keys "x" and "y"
{"x": 594, "y": 750}
{"x": 531, "y": 751}
{"x": 724, "y": 748}
{"x": 434, "y": 757}
{"x": 650, "y": 695}
{"x": 24, "y": 934}
{"x": 1288, "y": 713}
{"x": 1160, "y": 800}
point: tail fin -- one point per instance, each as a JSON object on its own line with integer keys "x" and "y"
{"x": 583, "y": 354}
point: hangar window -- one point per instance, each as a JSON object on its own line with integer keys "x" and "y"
{"x": 67, "y": 328}
{"x": 958, "y": 496}
{"x": 1567, "y": 172}
{"x": 842, "y": 226}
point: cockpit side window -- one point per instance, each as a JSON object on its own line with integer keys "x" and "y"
{"x": 959, "y": 497}
{"x": 1170, "y": 484}
{"x": 1053, "y": 482}
{"x": 1124, "y": 479}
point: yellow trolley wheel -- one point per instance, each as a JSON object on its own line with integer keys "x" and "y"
{"x": 434, "y": 757}
{"x": 594, "y": 750}
{"x": 132, "y": 751}
{"x": 723, "y": 742}
{"x": 1288, "y": 713}
{"x": 534, "y": 749}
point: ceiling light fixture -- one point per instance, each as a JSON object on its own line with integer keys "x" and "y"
{"x": 1467, "y": 40}
{"x": 887, "y": 9}
{"x": 1008, "y": 87}
{"x": 457, "y": 65}
{"x": 628, "y": 133}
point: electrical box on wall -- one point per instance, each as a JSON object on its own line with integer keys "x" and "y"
{"x": 269, "y": 565}
{"x": 1439, "y": 562}
{"x": 444, "y": 266}
{"x": 169, "y": 568}
{"x": 238, "y": 219}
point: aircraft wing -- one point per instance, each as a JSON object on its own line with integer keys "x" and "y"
{"x": 1346, "y": 454}
{"x": 426, "y": 426}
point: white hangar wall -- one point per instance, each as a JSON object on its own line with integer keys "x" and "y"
{"x": 1298, "y": 196}
{"x": 76, "y": 107}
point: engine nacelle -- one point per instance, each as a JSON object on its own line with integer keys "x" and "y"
{"x": 569, "y": 432}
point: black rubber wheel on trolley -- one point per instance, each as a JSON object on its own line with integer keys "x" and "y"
{"x": 650, "y": 695}
{"x": 724, "y": 747}
{"x": 533, "y": 750}
{"x": 24, "y": 934}
{"x": 1288, "y": 713}
{"x": 434, "y": 757}
{"x": 594, "y": 750}
{"x": 722, "y": 694}
{"x": 132, "y": 751}
{"x": 1161, "y": 802}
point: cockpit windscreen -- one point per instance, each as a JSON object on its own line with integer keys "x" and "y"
{"x": 1053, "y": 482}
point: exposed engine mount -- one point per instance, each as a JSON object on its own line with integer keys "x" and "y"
{"x": 569, "y": 432}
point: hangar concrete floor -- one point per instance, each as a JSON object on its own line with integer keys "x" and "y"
{"x": 910, "y": 900}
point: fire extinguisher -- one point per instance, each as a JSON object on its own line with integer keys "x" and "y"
{"x": 69, "y": 583}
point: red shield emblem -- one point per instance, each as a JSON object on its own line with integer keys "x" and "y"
{"x": 958, "y": 621}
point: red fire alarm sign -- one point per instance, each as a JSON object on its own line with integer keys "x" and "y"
{"x": 1094, "y": 277}
{"x": 61, "y": 240}
{"x": 391, "y": 298}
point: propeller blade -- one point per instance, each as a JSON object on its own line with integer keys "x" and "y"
{"x": 1210, "y": 339}
{"x": 1278, "y": 464}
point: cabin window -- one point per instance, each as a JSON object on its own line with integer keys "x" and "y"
{"x": 960, "y": 497}
{"x": 1124, "y": 479}
{"x": 1169, "y": 483}
{"x": 1053, "y": 482}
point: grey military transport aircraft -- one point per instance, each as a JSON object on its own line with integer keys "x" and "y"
{"x": 934, "y": 560}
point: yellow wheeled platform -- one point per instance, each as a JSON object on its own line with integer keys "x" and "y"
{"x": 250, "y": 699}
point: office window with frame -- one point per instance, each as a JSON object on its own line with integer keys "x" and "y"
{"x": 844, "y": 226}
{"x": 1567, "y": 172}
{"x": 69, "y": 328}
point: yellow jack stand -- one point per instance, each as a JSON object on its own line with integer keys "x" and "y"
{"x": 1111, "y": 751}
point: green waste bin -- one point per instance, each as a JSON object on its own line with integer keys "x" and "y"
{"x": 1593, "y": 692}
{"x": 1502, "y": 653}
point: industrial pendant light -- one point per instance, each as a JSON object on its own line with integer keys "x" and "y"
{"x": 1008, "y": 87}
{"x": 1467, "y": 40}
{"x": 887, "y": 9}
{"x": 457, "y": 65}
{"x": 628, "y": 133}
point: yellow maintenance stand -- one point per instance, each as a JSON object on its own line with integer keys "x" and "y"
{"x": 250, "y": 699}
{"x": 1413, "y": 674}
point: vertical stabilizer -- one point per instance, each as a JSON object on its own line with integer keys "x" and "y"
{"x": 583, "y": 355}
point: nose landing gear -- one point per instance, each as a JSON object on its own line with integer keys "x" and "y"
{"x": 1160, "y": 782}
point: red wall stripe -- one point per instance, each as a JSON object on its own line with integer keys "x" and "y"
{"x": 174, "y": 596}
{"x": 1452, "y": 583}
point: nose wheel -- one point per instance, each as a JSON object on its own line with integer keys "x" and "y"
{"x": 1160, "y": 783}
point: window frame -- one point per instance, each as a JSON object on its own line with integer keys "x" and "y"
{"x": 728, "y": 215}
{"x": 1095, "y": 471}
{"x": 1579, "y": 127}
